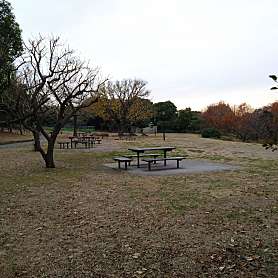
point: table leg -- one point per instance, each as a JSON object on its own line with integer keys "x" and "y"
{"x": 178, "y": 163}
{"x": 71, "y": 143}
{"x": 138, "y": 160}
{"x": 119, "y": 164}
{"x": 164, "y": 157}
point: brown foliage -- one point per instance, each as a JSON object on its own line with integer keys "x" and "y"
{"x": 243, "y": 117}
{"x": 244, "y": 122}
{"x": 220, "y": 116}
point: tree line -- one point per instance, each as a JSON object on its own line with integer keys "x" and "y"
{"x": 109, "y": 115}
{"x": 243, "y": 122}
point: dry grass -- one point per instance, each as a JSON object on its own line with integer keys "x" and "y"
{"x": 6, "y": 137}
{"x": 84, "y": 220}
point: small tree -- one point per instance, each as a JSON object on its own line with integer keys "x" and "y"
{"x": 165, "y": 111}
{"x": 242, "y": 126}
{"x": 52, "y": 76}
{"x": 220, "y": 116}
{"x": 165, "y": 115}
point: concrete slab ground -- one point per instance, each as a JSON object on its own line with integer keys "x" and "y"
{"x": 187, "y": 166}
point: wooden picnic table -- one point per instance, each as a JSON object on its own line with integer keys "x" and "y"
{"x": 142, "y": 150}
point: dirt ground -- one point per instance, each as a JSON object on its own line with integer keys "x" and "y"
{"x": 83, "y": 219}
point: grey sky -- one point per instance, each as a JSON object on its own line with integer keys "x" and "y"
{"x": 193, "y": 52}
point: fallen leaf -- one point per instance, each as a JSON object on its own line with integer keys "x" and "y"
{"x": 136, "y": 255}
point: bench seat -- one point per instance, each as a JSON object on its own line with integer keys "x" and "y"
{"x": 154, "y": 155}
{"x": 153, "y": 160}
{"x": 122, "y": 159}
{"x": 142, "y": 155}
{"x": 87, "y": 143}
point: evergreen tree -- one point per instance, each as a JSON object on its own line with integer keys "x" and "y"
{"x": 10, "y": 43}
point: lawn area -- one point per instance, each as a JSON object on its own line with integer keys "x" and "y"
{"x": 7, "y": 137}
{"x": 85, "y": 220}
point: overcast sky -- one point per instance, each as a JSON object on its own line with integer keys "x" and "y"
{"x": 192, "y": 52}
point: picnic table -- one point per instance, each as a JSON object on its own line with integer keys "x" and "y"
{"x": 139, "y": 151}
{"x": 88, "y": 139}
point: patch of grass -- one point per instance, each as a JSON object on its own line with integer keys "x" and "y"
{"x": 219, "y": 158}
{"x": 181, "y": 203}
{"x": 263, "y": 165}
{"x": 196, "y": 151}
{"x": 70, "y": 168}
{"x": 178, "y": 197}
{"x": 222, "y": 183}
{"x": 248, "y": 216}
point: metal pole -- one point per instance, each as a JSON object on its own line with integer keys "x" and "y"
{"x": 163, "y": 131}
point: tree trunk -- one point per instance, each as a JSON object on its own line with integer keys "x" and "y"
{"x": 49, "y": 156}
{"x": 37, "y": 142}
{"x": 20, "y": 129}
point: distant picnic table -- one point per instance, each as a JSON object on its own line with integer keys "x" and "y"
{"x": 88, "y": 140}
{"x": 139, "y": 151}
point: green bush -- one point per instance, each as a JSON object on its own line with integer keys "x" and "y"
{"x": 210, "y": 133}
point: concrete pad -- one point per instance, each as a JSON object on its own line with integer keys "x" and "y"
{"x": 187, "y": 166}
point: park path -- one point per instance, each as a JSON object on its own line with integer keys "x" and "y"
{"x": 16, "y": 144}
{"x": 106, "y": 145}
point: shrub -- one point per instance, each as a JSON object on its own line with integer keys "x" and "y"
{"x": 210, "y": 133}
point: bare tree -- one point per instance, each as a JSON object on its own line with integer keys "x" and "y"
{"x": 53, "y": 76}
{"x": 125, "y": 100}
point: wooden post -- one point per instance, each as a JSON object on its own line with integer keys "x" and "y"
{"x": 75, "y": 125}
